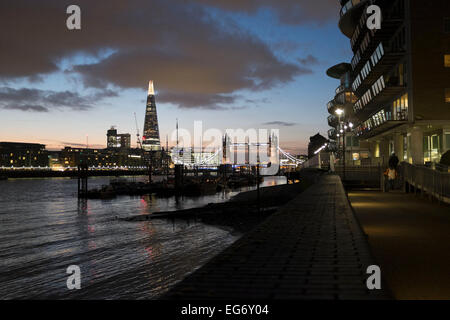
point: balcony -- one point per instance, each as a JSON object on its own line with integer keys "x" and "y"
{"x": 374, "y": 49}
{"x": 380, "y": 94}
{"x": 332, "y": 106}
{"x": 392, "y": 19}
{"x": 332, "y": 134}
{"x": 337, "y": 71}
{"x": 341, "y": 88}
{"x": 387, "y": 61}
{"x": 345, "y": 97}
{"x": 381, "y": 121}
{"x": 343, "y": 100}
{"x": 364, "y": 132}
{"x": 350, "y": 15}
{"x": 332, "y": 120}
{"x": 332, "y": 146}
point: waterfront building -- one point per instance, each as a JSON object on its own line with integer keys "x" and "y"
{"x": 342, "y": 120}
{"x": 18, "y": 154}
{"x": 116, "y": 140}
{"x": 108, "y": 158}
{"x": 400, "y": 78}
{"x": 315, "y": 142}
{"x": 150, "y": 138}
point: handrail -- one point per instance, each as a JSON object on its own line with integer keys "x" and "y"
{"x": 434, "y": 182}
{"x": 350, "y": 4}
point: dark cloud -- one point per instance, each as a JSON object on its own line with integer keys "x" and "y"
{"x": 308, "y": 61}
{"x": 36, "y": 100}
{"x": 289, "y": 11}
{"x": 201, "y": 101}
{"x": 194, "y": 60}
{"x": 25, "y": 107}
{"x": 280, "y": 123}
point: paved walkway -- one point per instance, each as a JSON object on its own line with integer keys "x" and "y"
{"x": 313, "y": 248}
{"x": 410, "y": 238}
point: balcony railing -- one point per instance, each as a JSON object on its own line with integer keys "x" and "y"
{"x": 433, "y": 182}
{"x": 380, "y": 122}
{"x": 332, "y": 134}
{"x": 380, "y": 91}
{"x": 340, "y": 89}
{"x": 393, "y": 14}
{"x": 345, "y": 97}
{"x": 350, "y": 4}
{"x": 332, "y": 120}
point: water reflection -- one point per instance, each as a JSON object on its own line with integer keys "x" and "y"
{"x": 44, "y": 228}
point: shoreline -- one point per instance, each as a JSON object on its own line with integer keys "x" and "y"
{"x": 240, "y": 213}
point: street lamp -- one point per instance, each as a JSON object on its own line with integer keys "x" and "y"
{"x": 340, "y": 112}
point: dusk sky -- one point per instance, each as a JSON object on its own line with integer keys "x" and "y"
{"x": 230, "y": 63}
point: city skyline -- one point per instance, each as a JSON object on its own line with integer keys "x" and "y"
{"x": 79, "y": 88}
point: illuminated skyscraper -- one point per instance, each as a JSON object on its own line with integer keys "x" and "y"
{"x": 150, "y": 139}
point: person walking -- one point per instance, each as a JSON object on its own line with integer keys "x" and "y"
{"x": 390, "y": 176}
{"x": 393, "y": 161}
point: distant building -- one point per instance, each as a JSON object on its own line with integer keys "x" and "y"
{"x": 315, "y": 142}
{"x": 18, "y": 154}
{"x": 116, "y": 140}
{"x": 72, "y": 157}
{"x": 150, "y": 139}
{"x": 356, "y": 150}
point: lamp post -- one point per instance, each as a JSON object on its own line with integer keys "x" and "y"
{"x": 350, "y": 125}
{"x": 340, "y": 112}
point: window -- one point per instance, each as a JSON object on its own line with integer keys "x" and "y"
{"x": 447, "y": 95}
{"x": 447, "y": 140}
{"x": 366, "y": 70}
{"x": 446, "y": 25}
{"x": 378, "y": 53}
{"x": 352, "y": 141}
{"x": 378, "y": 86}
{"x": 356, "y": 83}
{"x": 400, "y": 108}
{"x": 447, "y": 60}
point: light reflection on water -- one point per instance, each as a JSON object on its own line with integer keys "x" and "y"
{"x": 44, "y": 228}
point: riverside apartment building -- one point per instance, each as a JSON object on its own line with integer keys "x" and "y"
{"x": 395, "y": 92}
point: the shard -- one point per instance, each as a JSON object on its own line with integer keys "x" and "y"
{"x": 150, "y": 139}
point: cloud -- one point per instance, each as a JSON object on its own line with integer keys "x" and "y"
{"x": 289, "y": 11}
{"x": 308, "y": 60}
{"x": 36, "y": 100}
{"x": 25, "y": 107}
{"x": 203, "y": 101}
{"x": 195, "y": 61}
{"x": 280, "y": 123}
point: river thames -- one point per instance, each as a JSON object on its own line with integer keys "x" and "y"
{"x": 44, "y": 228}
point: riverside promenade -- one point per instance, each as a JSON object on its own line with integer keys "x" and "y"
{"x": 312, "y": 248}
{"x": 409, "y": 236}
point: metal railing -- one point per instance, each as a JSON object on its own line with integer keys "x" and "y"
{"x": 434, "y": 182}
{"x": 348, "y": 5}
{"x": 364, "y": 176}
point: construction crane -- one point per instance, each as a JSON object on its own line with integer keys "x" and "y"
{"x": 138, "y": 139}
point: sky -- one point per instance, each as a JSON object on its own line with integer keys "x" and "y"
{"x": 228, "y": 63}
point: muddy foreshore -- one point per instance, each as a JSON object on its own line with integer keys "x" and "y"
{"x": 240, "y": 213}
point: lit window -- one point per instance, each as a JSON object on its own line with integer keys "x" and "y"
{"x": 447, "y": 60}
{"x": 447, "y": 95}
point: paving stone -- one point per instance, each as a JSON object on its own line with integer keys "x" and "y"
{"x": 312, "y": 248}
